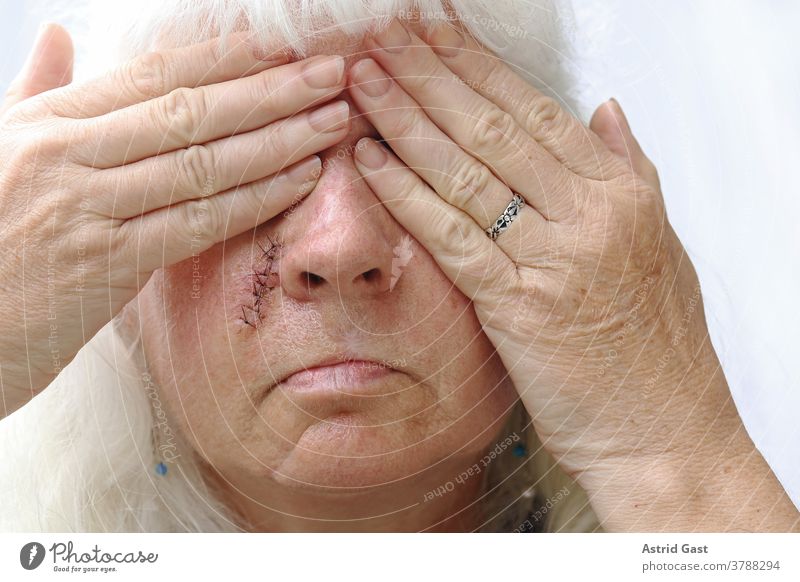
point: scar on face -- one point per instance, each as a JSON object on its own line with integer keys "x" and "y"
{"x": 263, "y": 280}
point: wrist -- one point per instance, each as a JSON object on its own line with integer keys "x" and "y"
{"x": 724, "y": 486}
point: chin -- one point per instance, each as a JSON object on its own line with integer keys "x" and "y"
{"x": 346, "y": 452}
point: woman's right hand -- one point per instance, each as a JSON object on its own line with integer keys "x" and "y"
{"x": 104, "y": 182}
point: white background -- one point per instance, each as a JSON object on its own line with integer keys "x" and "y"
{"x": 712, "y": 91}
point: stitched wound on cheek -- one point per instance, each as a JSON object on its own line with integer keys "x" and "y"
{"x": 263, "y": 280}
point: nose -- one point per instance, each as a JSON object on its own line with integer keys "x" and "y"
{"x": 339, "y": 240}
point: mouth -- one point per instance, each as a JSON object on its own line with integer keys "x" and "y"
{"x": 345, "y": 375}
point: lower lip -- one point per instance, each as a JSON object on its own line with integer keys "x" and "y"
{"x": 349, "y": 377}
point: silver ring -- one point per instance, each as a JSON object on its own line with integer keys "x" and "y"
{"x": 505, "y": 219}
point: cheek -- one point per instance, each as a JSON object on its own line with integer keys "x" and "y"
{"x": 187, "y": 345}
{"x": 190, "y": 294}
{"x": 207, "y": 303}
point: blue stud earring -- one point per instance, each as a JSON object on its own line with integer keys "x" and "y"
{"x": 520, "y": 450}
{"x": 161, "y": 469}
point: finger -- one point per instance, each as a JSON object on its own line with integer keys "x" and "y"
{"x": 172, "y": 234}
{"x": 462, "y": 250}
{"x": 49, "y": 66}
{"x": 612, "y": 127}
{"x": 560, "y": 133}
{"x": 155, "y": 74}
{"x": 188, "y": 116}
{"x": 457, "y": 177}
{"x": 203, "y": 170}
{"x": 474, "y": 123}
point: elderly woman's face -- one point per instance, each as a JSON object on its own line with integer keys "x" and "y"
{"x": 340, "y": 356}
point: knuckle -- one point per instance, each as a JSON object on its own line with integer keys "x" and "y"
{"x": 266, "y": 88}
{"x": 493, "y": 128}
{"x": 469, "y": 181}
{"x": 198, "y": 168}
{"x": 245, "y": 197}
{"x": 486, "y": 76}
{"x": 428, "y": 79}
{"x": 279, "y": 139}
{"x": 201, "y": 220}
{"x": 270, "y": 87}
{"x": 542, "y": 117}
{"x": 459, "y": 247}
{"x": 406, "y": 121}
{"x": 183, "y": 111}
{"x": 448, "y": 230}
{"x": 147, "y": 74}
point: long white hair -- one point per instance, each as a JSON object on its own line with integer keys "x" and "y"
{"x": 81, "y": 456}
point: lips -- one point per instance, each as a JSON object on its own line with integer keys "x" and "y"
{"x": 343, "y": 375}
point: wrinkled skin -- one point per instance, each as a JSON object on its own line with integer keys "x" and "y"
{"x": 586, "y": 308}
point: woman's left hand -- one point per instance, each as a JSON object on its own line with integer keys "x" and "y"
{"x": 588, "y": 296}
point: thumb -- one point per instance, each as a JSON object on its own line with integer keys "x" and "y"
{"x": 49, "y": 65}
{"x": 611, "y": 125}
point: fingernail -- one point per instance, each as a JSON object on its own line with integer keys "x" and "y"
{"x": 306, "y": 171}
{"x": 370, "y": 78}
{"x": 394, "y": 38}
{"x": 324, "y": 72}
{"x": 445, "y": 41}
{"x": 370, "y": 153}
{"x": 331, "y": 117}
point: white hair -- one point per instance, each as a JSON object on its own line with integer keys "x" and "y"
{"x": 80, "y": 457}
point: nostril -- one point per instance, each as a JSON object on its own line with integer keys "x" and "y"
{"x": 312, "y": 280}
{"x": 371, "y": 275}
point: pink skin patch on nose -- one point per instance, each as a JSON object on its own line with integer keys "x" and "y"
{"x": 262, "y": 280}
